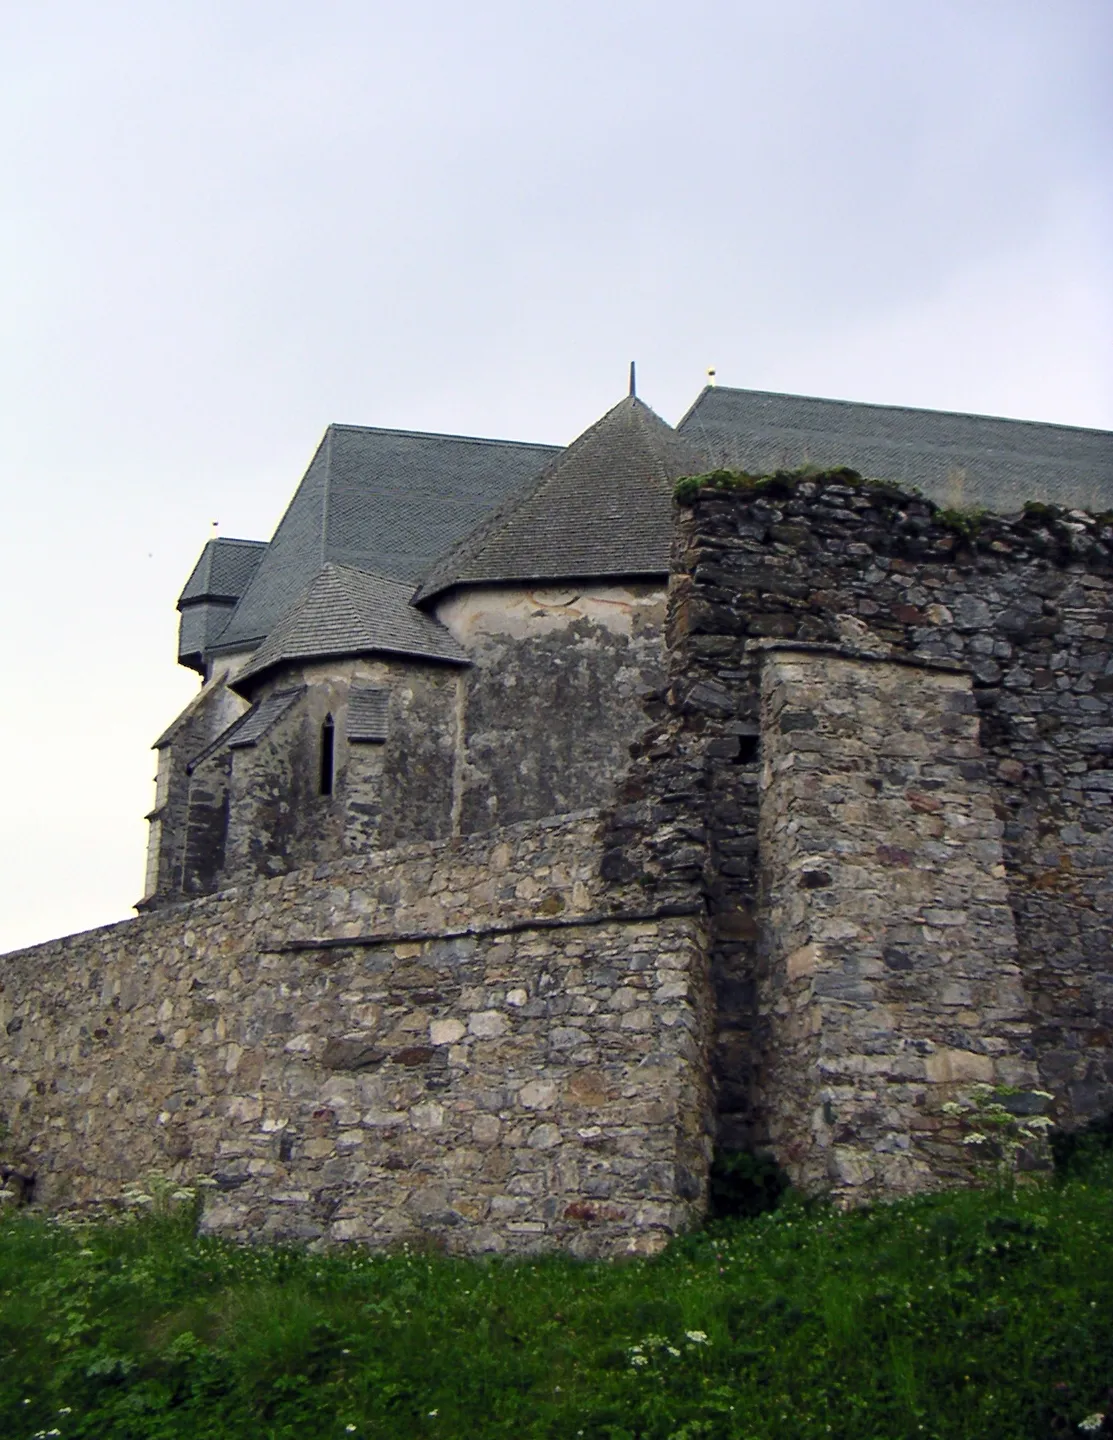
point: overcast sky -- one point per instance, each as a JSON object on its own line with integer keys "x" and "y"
{"x": 225, "y": 225}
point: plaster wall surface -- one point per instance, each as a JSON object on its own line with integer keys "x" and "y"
{"x": 554, "y": 697}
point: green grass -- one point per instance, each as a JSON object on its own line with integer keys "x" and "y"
{"x": 975, "y": 1314}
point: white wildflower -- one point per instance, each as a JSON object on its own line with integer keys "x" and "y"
{"x": 1092, "y": 1424}
{"x": 638, "y": 1359}
{"x": 697, "y": 1337}
{"x": 974, "y": 1138}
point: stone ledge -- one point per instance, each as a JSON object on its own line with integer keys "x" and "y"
{"x": 509, "y": 927}
{"x": 850, "y": 652}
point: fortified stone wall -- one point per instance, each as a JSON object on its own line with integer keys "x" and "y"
{"x": 1022, "y": 604}
{"x": 481, "y": 1043}
{"x": 887, "y": 970}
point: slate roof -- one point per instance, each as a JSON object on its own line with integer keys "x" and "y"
{"x": 387, "y": 501}
{"x": 223, "y": 572}
{"x": 955, "y": 460}
{"x": 344, "y": 611}
{"x": 252, "y": 727}
{"x": 367, "y": 713}
{"x": 602, "y": 507}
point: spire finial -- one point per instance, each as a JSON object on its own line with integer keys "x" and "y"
{"x": 711, "y": 374}
{"x": 633, "y": 378}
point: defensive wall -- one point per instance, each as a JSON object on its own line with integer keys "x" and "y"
{"x": 905, "y": 706}
{"x": 474, "y": 1042}
{"x": 860, "y": 859}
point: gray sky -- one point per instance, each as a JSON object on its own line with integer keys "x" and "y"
{"x": 227, "y": 224}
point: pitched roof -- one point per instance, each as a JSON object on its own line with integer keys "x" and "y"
{"x": 223, "y": 571}
{"x": 344, "y": 611}
{"x": 387, "y": 501}
{"x": 252, "y": 727}
{"x": 956, "y": 460}
{"x": 602, "y": 507}
{"x": 367, "y": 713}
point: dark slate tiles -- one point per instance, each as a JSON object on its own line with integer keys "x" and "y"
{"x": 388, "y": 501}
{"x": 955, "y": 460}
{"x": 367, "y": 713}
{"x": 602, "y": 507}
{"x": 223, "y": 571}
{"x": 344, "y": 611}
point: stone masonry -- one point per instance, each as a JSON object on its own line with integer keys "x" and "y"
{"x": 888, "y": 976}
{"x": 861, "y": 858}
{"x": 1022, "y": 605}
{"x": 476, "y": 1044}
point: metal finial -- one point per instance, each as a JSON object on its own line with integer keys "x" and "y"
{"x": 633, "y": 379}
{"x": 711, "y": 375}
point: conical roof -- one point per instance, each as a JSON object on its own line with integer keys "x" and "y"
{"x": 344, "y": 611}
{"x": 602, "y": 507}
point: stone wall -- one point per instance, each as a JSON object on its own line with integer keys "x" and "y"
{"x": 554, "y": 697}
{"x": 1022, "y": 604}
{"x": 382, "y": 796}
{"x": 480, "y": 1043}
{"x": 538, "y": 724}
{"x": 887, "y": 974}
{"x": 173, "y": 866}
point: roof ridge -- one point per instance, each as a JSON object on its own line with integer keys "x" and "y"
{"x": 439, "y": 435}
{"x": 363, "y": 570}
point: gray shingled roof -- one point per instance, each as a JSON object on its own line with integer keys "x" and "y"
{"x": 223, "y": 571}
{"x": 387, "y": 501}
{"x": 367, "y": 713}
{"x": 602, "y": 507}
{"x": 344, "y": 611}
{"x": 252, "y": 727}
{"x": 955, "y": 460}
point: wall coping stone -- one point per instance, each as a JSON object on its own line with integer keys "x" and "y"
{"x": 850, "y": 652}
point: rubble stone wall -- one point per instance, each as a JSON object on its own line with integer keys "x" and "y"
{"x": 887, "y": 974}
{"x": 476, "y": 1042}
{"x": 1024, "y": 604}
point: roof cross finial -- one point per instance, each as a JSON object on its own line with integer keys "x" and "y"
{"x": 633, "y": 378}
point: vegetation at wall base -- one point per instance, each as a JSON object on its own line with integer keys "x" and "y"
{"x": 971, "y": 1314}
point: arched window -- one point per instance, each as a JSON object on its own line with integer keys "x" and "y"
{"x": 328, "y": 755}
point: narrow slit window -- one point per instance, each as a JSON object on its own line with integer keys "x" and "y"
{"x": 328, "y": 755}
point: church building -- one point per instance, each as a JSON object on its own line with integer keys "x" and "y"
{"x": 446, "y": 635}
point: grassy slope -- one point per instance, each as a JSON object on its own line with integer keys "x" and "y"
{"x": 963, "y": 1316}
